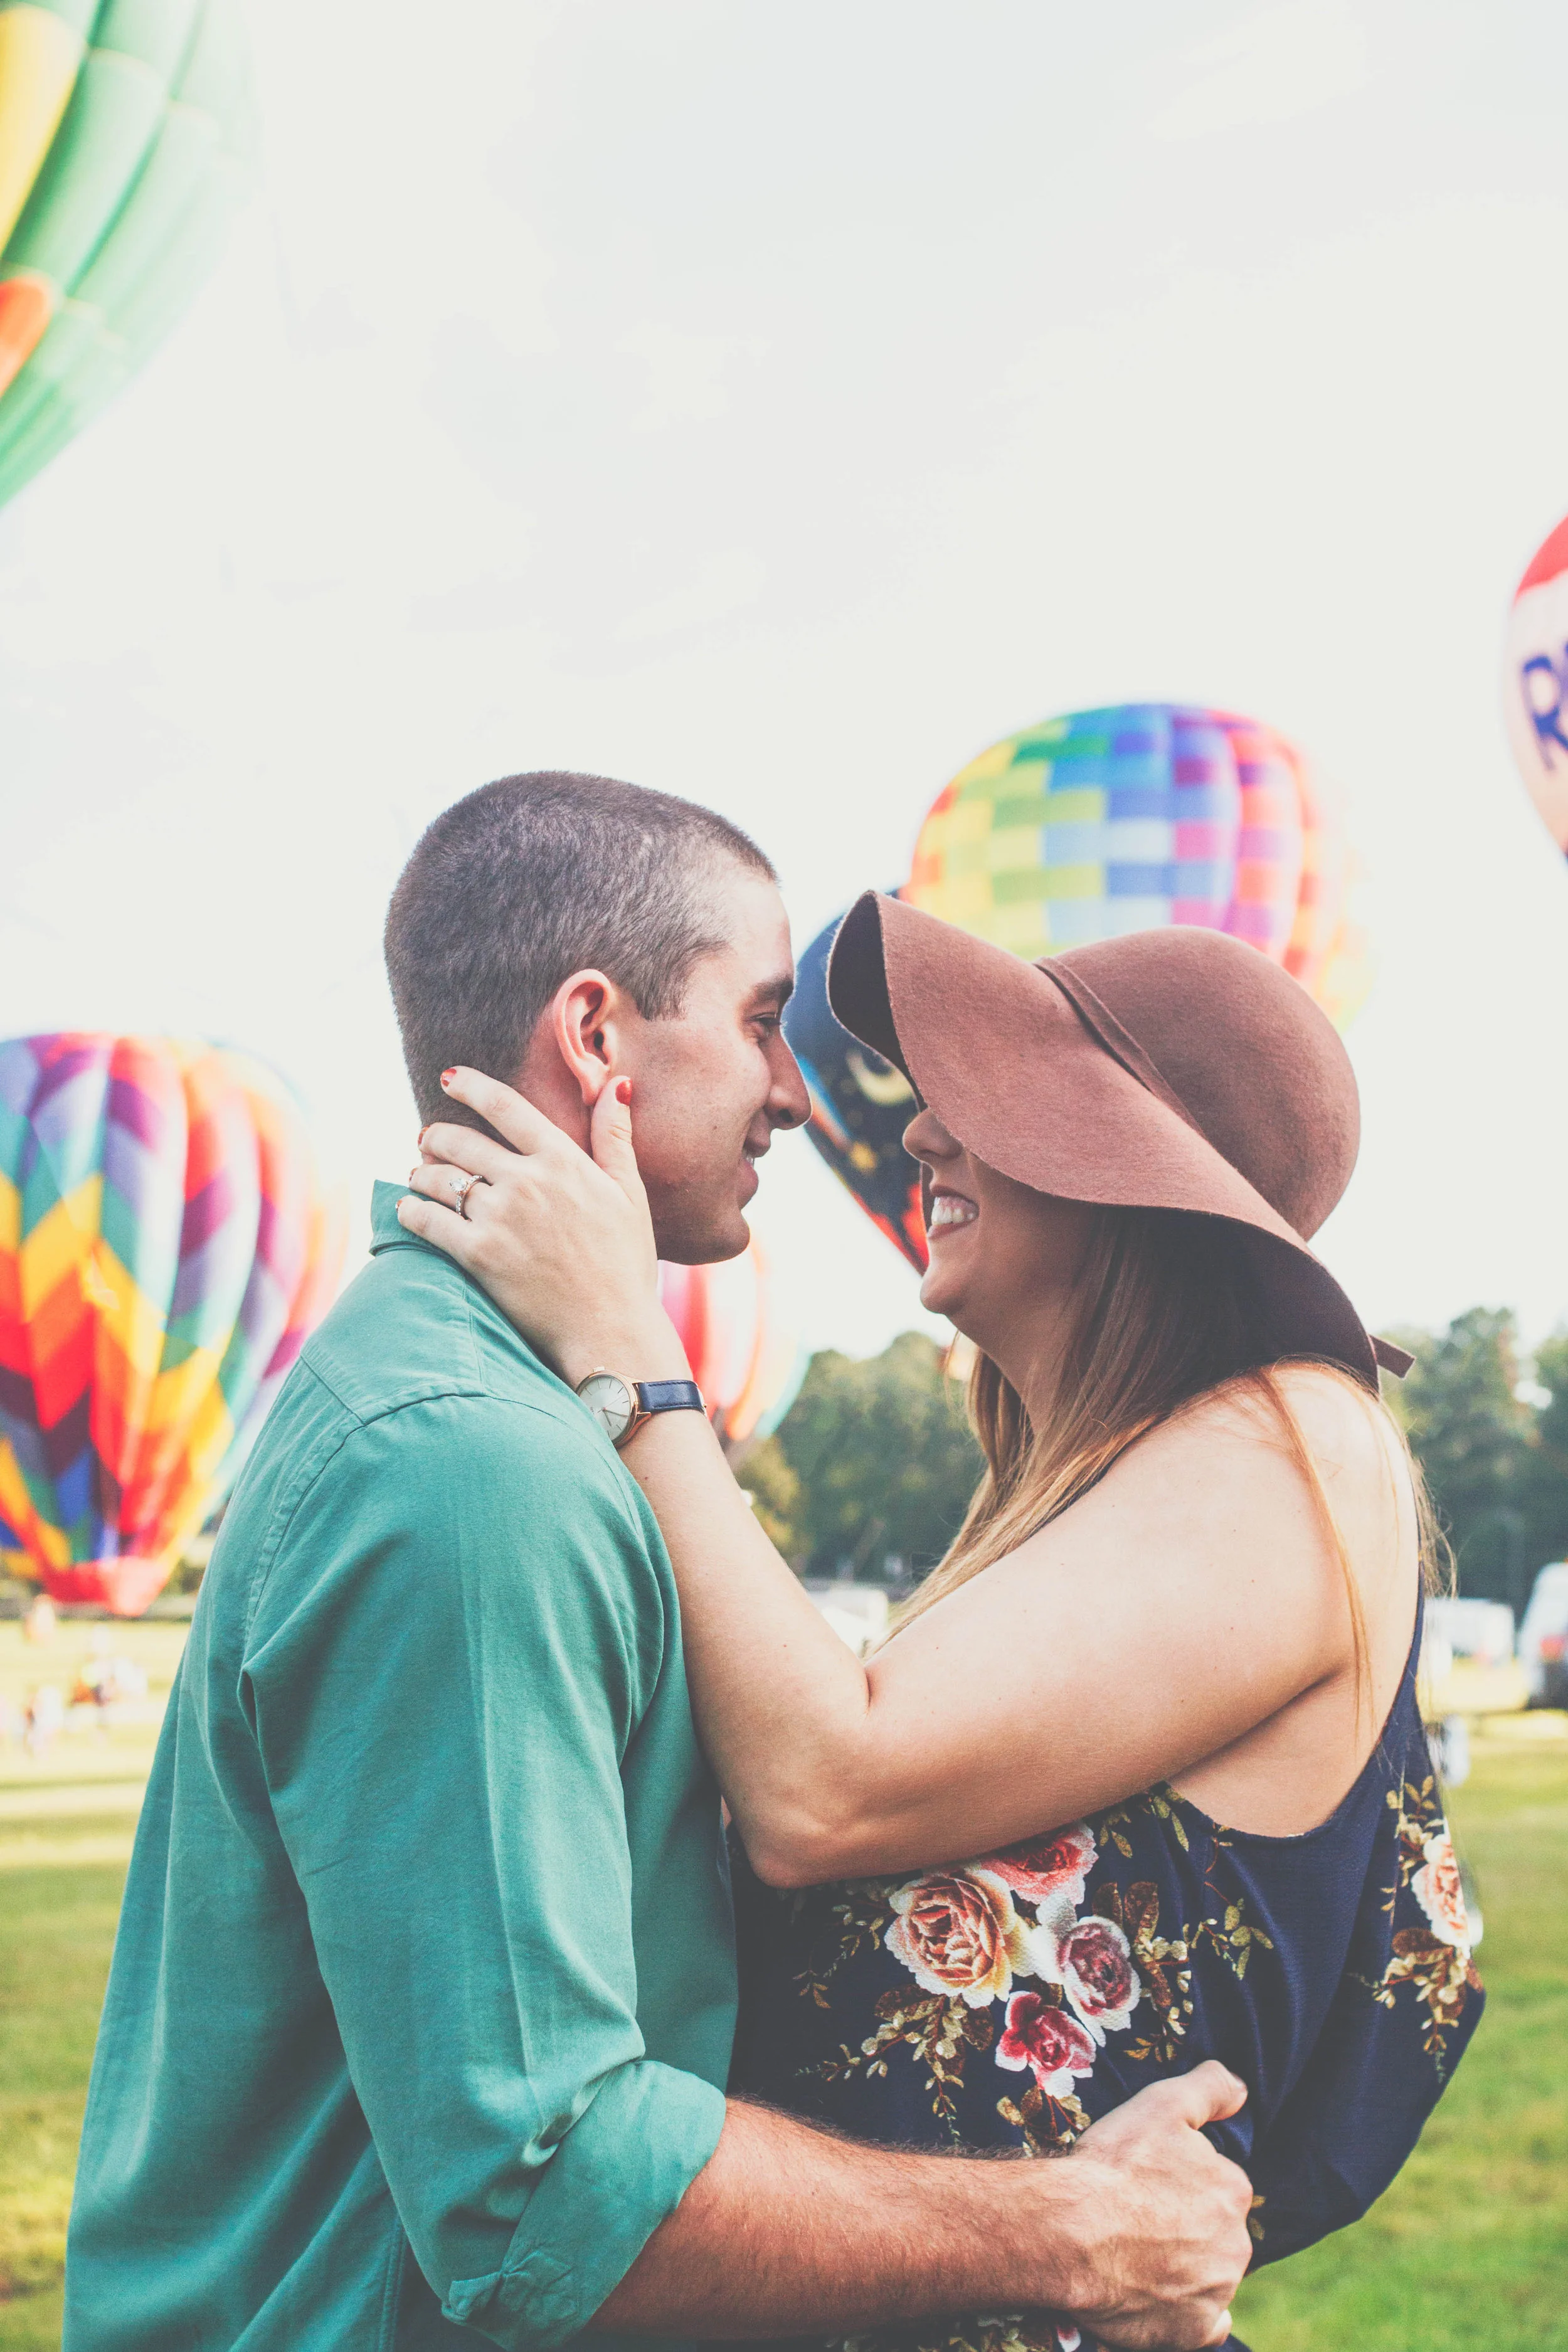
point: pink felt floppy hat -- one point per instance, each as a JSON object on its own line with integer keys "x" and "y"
{"x": 1169, "y": 1069}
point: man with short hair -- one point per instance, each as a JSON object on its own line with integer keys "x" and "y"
{"x": 420, "y": 2013}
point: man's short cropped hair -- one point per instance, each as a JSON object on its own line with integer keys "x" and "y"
{"x": 530, "y": 879}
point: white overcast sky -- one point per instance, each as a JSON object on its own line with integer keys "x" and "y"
{"x": 776, "y": 404}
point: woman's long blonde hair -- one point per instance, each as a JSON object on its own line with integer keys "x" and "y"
{"x": 1166, "y": 1314}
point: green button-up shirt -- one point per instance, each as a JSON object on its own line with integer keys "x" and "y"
{"x": 423, "y": 1995}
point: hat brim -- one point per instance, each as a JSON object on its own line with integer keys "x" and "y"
{"x": 1012, "y": 1069}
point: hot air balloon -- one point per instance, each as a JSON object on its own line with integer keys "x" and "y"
{"x": 1535, "y": 682}
{"x": 744, "y": 1353}
{"x": 1085, "y": 826}
{"x": 860, "y": 1106}
{"x": 1147, "y": 814}
{"x": 165, "y": 1246}
{"x": 125, "y": 145}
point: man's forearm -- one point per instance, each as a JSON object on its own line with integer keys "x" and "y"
{"x": 789, "y": 2229}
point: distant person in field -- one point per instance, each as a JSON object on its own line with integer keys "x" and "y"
{"x": 1140, "y": 1778}
{"x": 421, "y": 2014}
{"x": 39, "y": 1624}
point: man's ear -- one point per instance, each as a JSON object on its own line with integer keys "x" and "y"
{"x": 588, "y": 1017}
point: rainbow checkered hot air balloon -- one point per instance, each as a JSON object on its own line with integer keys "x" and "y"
{"x": 1140, "y": 816}
{"x": 166, "y": 1247}
{"x": 1125, "y": 819}
{"x": 125, "y": 144}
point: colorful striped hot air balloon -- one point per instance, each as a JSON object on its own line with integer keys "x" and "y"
{"x": 744, "y": 1354}
{"x": 1083, "y": 827}
{"x": 125, "y": 144}
{"x": 165, "y": 1249}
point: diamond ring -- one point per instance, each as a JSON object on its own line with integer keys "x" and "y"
{"x": 461, "y": 1187}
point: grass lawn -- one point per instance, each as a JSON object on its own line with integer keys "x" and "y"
{"x": 66, "y": 1825}
{"x": 1470, "y": 2247}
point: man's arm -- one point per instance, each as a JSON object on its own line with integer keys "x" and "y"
{"x": 1141, "y": 2232}
{"x": 459, "y": 1638}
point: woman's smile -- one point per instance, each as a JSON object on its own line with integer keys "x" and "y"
{"x": 949, "y": 1209}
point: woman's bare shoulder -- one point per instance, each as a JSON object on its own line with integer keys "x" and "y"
{"x": 1342, "y": 1425}
{"x": 1347, "y": 1430}
{"x": 1238, "y": 1434}
{"x": 1235, "y": 1446}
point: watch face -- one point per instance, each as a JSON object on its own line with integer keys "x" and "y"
{"x": 610, "y": 1401}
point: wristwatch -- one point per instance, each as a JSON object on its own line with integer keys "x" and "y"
{"x": 621, "y": 1406}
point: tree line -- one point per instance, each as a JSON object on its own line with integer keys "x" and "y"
{"x": 870, "y": 1471}
{"x": 1490, "y": 1429}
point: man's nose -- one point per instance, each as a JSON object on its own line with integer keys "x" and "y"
{"x": 789, "y": 1103}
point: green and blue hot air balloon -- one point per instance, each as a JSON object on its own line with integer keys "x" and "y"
{"x": 126, "y": 142}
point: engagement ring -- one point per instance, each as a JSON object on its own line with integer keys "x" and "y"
{"x": 461, "y": 1187}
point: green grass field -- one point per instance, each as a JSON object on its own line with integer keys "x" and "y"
{"x": 1470, "y": 2247}
{"x": 66, "y": 1825}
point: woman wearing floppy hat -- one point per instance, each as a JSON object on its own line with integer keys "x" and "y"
{"x": 1140, "y": 1778}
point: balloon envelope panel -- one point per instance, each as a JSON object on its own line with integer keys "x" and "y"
{"x": 165, "y": 1248}
{"x": 1535, "y": 682}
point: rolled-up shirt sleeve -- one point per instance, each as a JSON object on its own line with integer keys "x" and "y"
{"x": 448, "y": 1660}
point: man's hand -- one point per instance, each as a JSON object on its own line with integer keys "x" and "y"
{"x": 1164, "y": 2233}
{"x": 790, "y": 2231}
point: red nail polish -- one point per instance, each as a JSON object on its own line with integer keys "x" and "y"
{"x": 423, "y": 1133}
{"x": 623, "y": 1090}
{"x": 447, "y": 1077}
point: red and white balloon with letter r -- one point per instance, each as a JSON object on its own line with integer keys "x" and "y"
{"x": 1535, "y": 682}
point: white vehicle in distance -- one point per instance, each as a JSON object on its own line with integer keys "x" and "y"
{"x": 1479, "y": 1629}
{"x": 1543, "y": 1639}
{"x": 1468, "y": 1668}
{"x": 856, "y": 1613}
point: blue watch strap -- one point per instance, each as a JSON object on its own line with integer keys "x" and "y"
{"x": 670, "y": 1396}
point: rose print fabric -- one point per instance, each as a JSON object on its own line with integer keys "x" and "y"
{"x": 1008, "y": 2001}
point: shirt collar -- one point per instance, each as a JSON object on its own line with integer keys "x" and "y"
{"x": 385, "y": 1231}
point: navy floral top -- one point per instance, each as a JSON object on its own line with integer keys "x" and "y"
{"x": 1007, "y": 2001}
